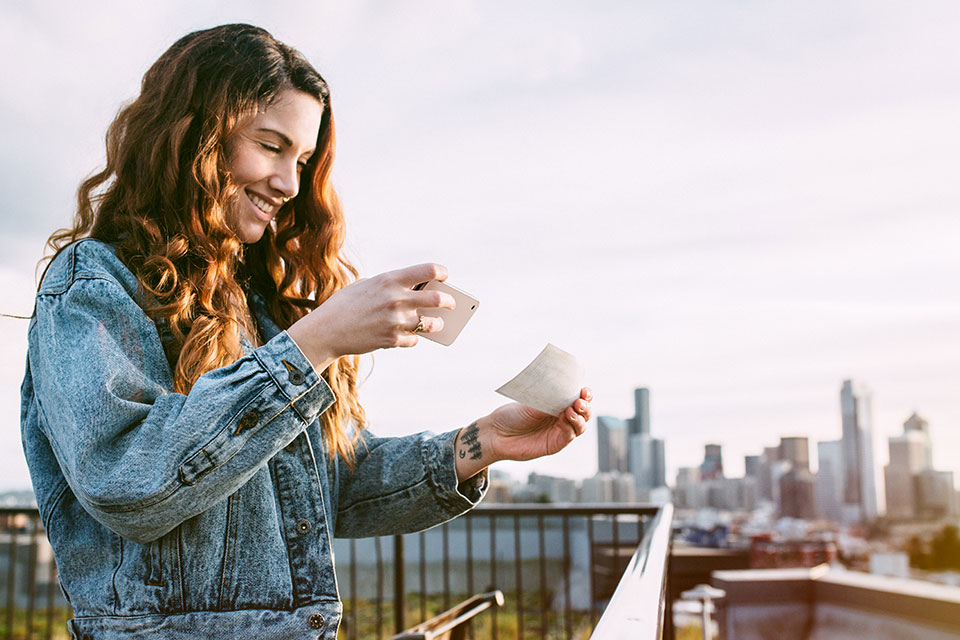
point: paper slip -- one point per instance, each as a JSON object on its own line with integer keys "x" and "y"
{"x": 550, "y": 383}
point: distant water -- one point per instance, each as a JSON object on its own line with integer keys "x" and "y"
{"x": 559, "y": 566}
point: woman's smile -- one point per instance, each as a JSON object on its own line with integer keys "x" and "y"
{"x": 265, "y": 208}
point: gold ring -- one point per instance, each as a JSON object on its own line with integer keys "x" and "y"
{"x": 419, "y": 325}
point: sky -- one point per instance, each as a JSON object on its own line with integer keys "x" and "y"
{"x": 738, "y": 205}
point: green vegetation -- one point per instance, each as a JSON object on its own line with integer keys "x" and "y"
{"x": 690, "y": 632}
{"x": 18, "y": 630}
{"x": 551, "y": 624}
{"x": 535, "y": 621}
{"x": 941, "y": 553}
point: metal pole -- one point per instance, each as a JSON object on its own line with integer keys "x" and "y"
{"x": 399, "y": 586}
{"x": 704, "y": 594}
{"x": 705, "y": 620}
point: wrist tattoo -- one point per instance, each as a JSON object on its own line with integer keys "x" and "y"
{"x": 470, "y": 443}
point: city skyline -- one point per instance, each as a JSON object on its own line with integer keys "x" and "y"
{"x": 848, "y": 487}
{"x": 737, "y": 207}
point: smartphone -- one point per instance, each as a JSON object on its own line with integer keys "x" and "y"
{"x": 453, "y": 319}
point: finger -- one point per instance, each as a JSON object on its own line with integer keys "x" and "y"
{"x": 432, "y": 300}
{"x": 428, "y": 324}
{"x": 410, "y": 276}
{"x": 583, "y": 408}
{"x": 575, "y": 420}
{"x": 407, "y": 340}
{"x": 586, "y": 393}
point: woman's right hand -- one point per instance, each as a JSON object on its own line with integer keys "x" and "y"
{"x": 369, "y": 314}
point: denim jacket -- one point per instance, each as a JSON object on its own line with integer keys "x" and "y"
{"x": 210, "y": 514}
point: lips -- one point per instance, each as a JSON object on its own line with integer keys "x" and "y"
{"x": 264, "y": 207}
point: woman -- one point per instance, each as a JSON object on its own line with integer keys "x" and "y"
{"x": 190, "y": 413}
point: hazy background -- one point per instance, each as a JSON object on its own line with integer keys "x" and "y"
{"x": 736, "y": 204}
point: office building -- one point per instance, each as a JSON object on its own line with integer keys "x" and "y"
{"x": 645, "y": 454}
{"x": 797, "y": 494}
{"x": 899, "y": 477}
{"x": 829, "y": 480}
{"x": 916, "y": 424}
{"x": 796, "y": 451}
{"x": 712, "y": 466}
{"x": 640, "y": 423}
{"x": 860, "y": 500}
{"x": 765, "y": 484}
{"x": 611, "y": 444}
{"x": 935, "y": 494}
{"x": 553, "y": 489}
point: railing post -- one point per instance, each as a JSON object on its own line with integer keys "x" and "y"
{"x": 12, "y": 578}
{"x": 705, "y": 595}
{"x": 669, "y": 633}
{"x": 399, "y": 585}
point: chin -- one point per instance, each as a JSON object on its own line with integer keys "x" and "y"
{"x": 251, "y": 235}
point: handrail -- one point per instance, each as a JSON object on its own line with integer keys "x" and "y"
{"x": 596, "y": 525}
{"x": 636, "y": 608}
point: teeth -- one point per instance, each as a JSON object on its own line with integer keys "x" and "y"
{"x": 263, "y": 205}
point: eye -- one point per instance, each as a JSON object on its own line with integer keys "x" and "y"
{"x": 270, "y": 147}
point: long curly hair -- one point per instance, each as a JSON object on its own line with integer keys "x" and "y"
{"x": 163, "y": 202}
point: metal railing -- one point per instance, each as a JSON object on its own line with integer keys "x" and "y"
{"x": 557, "y": 565}
{"x": 33, "y": 605}
{"x": 636, "y": 609}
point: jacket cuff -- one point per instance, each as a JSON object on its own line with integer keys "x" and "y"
{"x": 308, "y": 393}
{"x": 455, "y": 497}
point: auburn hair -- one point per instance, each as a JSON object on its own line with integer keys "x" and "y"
{"x": 163, "y": 198}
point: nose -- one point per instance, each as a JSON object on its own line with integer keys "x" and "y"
{"x": 286, "y": 179}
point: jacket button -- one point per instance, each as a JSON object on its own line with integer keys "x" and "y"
{"x": 248, "y": 421}
{"x": 303, "y": 527}
{"x": 293, "y": 374}
{"x": 316, "y": 621}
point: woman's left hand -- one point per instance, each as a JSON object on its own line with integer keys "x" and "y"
{"x": 518, "y": 432}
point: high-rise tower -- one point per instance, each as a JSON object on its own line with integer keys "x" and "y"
{"x": 611, "y": 444}
{"x": 645, "y": 453}
{"x": 859, "y": 472}
{"x": 916, "y": 424}
{"x": 640, "y": 423}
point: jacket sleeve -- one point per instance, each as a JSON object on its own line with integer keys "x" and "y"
{"x": 139, "y": 457}
{"x": 402, "y": 485}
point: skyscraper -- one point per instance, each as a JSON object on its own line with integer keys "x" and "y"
{"x": 797, "y": 494}
{"x": 908, "y": 494}
{"x": 859, "y": 472}
{"x": 796, "y": 451}
{"x": 611, "y": 444}
{"x": 916, "y": 424}
{"x": 645, "y": 454}
{"x": 767, "y": 488}
{"x": 640, "y": 423}
{"x": 712, "y": 466}
{"x": 829, "y": 481}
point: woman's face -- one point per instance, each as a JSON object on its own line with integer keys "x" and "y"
{"x": 265, "y": 158}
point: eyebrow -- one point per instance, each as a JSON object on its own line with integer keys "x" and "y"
{"x": 287, "y": 141}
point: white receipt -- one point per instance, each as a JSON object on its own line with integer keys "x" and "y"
{"x": 550, "y": 383}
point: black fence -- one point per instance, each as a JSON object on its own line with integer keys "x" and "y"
{"x": 557, "y": 566}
